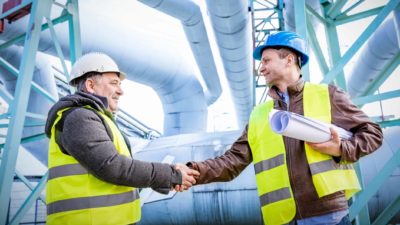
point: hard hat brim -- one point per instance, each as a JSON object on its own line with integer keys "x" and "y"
{"x": 122, "y": 75}
{"x": 258, "y": 51}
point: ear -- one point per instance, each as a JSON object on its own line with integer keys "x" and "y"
{"x": 291, "y": 59}
{"x": 89, "y": 85}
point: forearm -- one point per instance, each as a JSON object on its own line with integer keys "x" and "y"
{"x": 366, "y": 140}
{"x": 367, "y": 135}
{"x": 225, "y": 167}
{"x": 92, "y": 147}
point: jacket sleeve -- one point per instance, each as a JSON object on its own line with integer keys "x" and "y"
{"x": 84, "y": 137}
{"x": 367, "y": 135}
{"x": 225, "y": 167}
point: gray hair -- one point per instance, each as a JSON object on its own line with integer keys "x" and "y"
{"x": 80, "y": 82}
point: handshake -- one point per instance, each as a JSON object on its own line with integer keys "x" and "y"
{"x": 188, "y": 177}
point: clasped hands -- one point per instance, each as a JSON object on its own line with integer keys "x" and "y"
{"x": 188, "y": 177}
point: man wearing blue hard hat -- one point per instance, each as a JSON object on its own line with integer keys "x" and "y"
{"x": 297, "y": 182}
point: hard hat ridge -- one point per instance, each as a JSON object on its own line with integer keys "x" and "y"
{"x": 93, "y": 62}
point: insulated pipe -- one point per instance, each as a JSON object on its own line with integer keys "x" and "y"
{"x": 288, "y": 13}
{"x": 232, "y": 28}
{"x": 193, "y": 24}
{"x": 380, "y": 49}
{"x": 146, "y": 57}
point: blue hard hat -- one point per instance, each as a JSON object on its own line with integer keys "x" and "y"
{"x": 286, "y": 39}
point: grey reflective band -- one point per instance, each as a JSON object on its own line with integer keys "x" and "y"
{"x": 274, "y": 196}
{"x": 269, "y": 163}
{"x": 66, "y": 170}
{"x": 327, "y": 165}
{"x": 92, "y": 202}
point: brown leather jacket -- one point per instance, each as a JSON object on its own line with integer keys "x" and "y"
{"x": 367, "y": 138}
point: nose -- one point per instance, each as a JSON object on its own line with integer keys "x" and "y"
{"x": 262, "y": 69}
{"x": 120, "y": 91}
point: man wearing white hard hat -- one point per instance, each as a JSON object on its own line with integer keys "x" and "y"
{"x": 92, "y": 176}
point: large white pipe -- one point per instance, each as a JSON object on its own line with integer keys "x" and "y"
{"x": 193, "y": 24}
{"x": 288, "y": 13}
{"x": 147, "y": 57}
{"x": 232, "y": 28}
{"x": 380, "y": 49}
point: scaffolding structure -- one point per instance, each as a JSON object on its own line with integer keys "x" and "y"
{"x": 267, "y": 17}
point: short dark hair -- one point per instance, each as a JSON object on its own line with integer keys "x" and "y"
{"x": 284, "y": 51}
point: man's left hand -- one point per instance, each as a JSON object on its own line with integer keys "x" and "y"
{"x": 331, "y": 147}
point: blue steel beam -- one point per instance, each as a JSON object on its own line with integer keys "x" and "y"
{"x": 5, "y": 116}
{"x": 24, "y": 140}
{"x": 335, "y": 54}
{"x": 350, "y": 8}
{"x": 45, "y": 26}
{"x": 388, "y": 213}
{"x": 5, "y": 95}
{"x": 365, "y": 195}
{"x": 29, "y": 200}
{"x": 74, "y": 30}
{"x": 35, "y": 86}
{"x": 384, "y": 74}
{"x": 301, "y": 28}
{"x": 342, "y": 19}
{"x": 362, "y": 218}
{"x": 389, "y": 123}
{"x": 74, "y": 34}
{"x": 39, "y": 10}
{"x": 57, "y": 46}
{"x": 360, "y": 41}
{"x": 29, "y": 185}
{"x": 317, "y": 49}
{"x": 5, "y": 125}
{"x": 373, "y": 98}
{"x": 321, "y": 19}
{"x": 335, "y": 8}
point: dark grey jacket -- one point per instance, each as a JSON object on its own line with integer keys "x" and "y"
{"x": 83, "y": 135}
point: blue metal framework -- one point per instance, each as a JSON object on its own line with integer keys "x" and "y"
{"x": 267, "y": 17}
{"x": 40, "y": 11}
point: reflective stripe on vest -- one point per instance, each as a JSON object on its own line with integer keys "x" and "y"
{"x": 74, "y": 196}
{"x": 269, "y": 158}
{"x": 328, "y": 176}
{"x": 91, "y": 202}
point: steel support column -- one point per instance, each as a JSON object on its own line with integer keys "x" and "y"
{"x": 40, "y": 9}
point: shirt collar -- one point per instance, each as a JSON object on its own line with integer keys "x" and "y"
{"x": 291, "y": 90}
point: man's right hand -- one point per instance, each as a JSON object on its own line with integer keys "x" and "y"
{"x": 188, "y": 177}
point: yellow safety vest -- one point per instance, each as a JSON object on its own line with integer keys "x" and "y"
{"x": 74, "y": 196}
{"x": 269, "y": 158}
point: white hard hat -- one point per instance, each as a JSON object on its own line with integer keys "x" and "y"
{"x": 94, "y": 62}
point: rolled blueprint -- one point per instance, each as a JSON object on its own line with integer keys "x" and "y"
{"x": 302, "y": 128}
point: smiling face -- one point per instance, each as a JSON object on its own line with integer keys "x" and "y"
{"x": 107, "y": 85}
{"x": 279, "y": 67}
{"x": 273, "y": 66}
